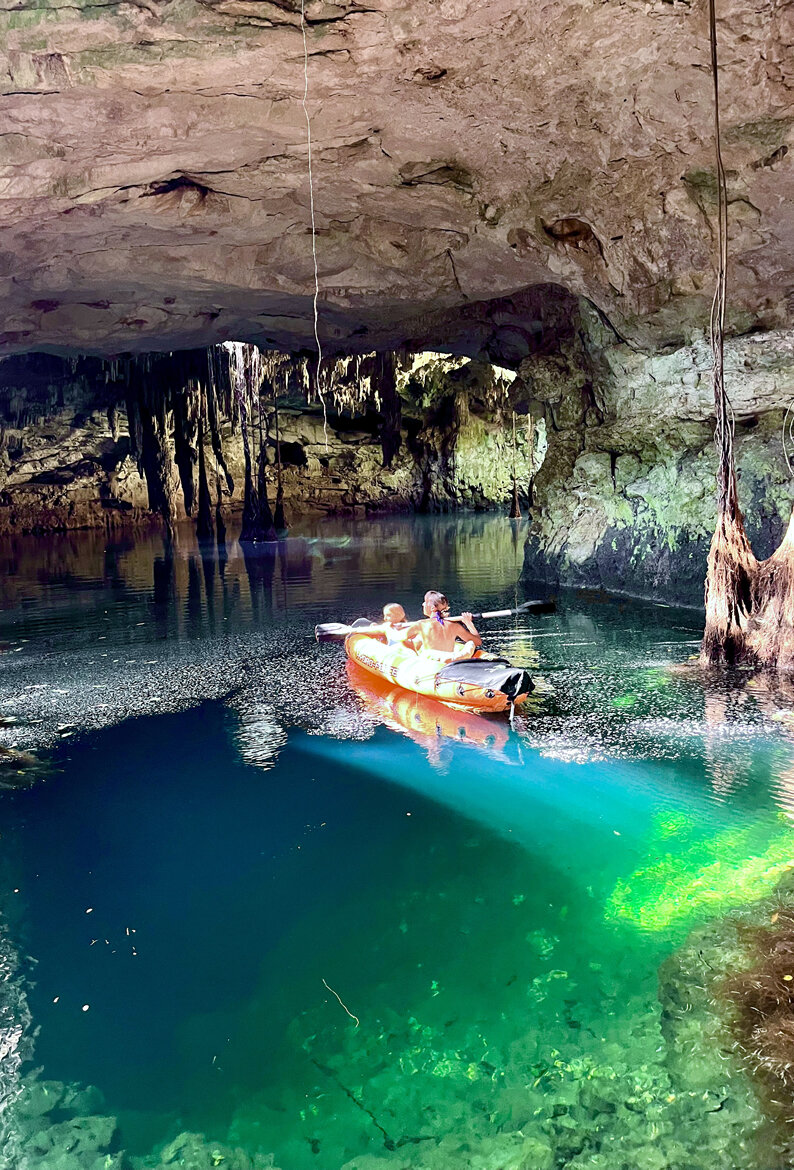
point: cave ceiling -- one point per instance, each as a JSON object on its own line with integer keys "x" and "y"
{"x": 467, "y": 155}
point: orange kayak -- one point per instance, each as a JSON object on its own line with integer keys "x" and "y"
{"x": 475, "y": 684}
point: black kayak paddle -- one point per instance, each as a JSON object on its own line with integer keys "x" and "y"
{"x": 338, "y": 631}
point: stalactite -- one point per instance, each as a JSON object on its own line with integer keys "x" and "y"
{"x": 148, "y": 414}
{"x": 246, "y": 375}
{"x": 265, "y": 515}
{"x": 181, "y": 406}
{"x": 184, "y": 405}
{"x": 515, "y": 507}
{"x": 279, "y": 517}
{"x": 134, "y": 422}
{"x": 390, "y": 408}
{"x": 204, "y": 529}
{"x": 220, "y": 401}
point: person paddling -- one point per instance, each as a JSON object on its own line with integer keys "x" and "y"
{"x": 437, "y": 636}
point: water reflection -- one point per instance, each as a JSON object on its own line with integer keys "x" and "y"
{"x": 430, "y": 723}
{"x": 493, "y": 902}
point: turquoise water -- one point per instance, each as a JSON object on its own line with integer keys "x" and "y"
{"x": 245, "y": 896}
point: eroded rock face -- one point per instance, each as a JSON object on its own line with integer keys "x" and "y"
{"x": 154, "y": 188}
{"x": 626, "y": 499}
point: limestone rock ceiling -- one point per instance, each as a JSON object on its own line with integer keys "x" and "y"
{"x": 153, "y": 169}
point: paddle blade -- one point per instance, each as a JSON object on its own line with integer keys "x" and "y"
{"x": 545, "y": 606}
{"x": 338, "y": 631}
{"x": 525, "y": 607}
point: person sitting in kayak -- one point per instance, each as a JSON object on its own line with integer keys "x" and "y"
{"x": 437, "y": 636}
{"x": 395, "y": 624}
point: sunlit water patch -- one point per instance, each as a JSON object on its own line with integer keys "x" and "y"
{"x": 258, "y": 904}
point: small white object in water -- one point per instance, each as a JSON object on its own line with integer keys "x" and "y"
{"x": 85, "y": 1007}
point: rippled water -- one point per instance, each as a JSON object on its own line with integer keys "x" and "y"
{"x": 249, "y": 895}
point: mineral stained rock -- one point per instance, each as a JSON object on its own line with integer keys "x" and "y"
{"x": 154, "y": 182}
{"x": 625, "y": 497}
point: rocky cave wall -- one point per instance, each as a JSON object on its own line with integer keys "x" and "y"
{"x": 614, "y": 452}
{"x": 470, "y": 162}
{"x": 625, "y": 499}
{"x": 66, "y": 459}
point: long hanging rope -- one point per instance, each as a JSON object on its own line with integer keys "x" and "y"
{"x": 515, "y": 508}
{"x": 723, "y": 436}
{"x": 314, "y": 225}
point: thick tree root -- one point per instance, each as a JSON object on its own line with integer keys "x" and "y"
{"x": 732, "y": 568}
{"x": 749, "y": 604}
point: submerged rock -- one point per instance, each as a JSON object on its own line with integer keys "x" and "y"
{"x": 193, "y": 1151}
{"x": 79, "y": 1141}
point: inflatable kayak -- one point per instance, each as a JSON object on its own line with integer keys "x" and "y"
{"x": 477, "y": 684}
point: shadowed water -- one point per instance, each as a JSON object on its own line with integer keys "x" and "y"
{"x": 255, "y": 897}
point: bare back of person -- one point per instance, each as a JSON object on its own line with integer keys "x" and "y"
{"x": 437, "y": 635}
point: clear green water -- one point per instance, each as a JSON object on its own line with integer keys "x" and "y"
{"x": 231, "y": 839}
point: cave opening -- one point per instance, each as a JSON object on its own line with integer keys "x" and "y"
{"x": 425, "y": 426}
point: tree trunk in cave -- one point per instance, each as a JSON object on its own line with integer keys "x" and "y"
{"x": 770, "y": 637}
{"x": 730, "y": 579}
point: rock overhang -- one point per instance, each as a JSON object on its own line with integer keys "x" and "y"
{"x": 467, "y": 161}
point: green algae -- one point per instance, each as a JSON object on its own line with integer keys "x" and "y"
{"x": 707, "y": 877}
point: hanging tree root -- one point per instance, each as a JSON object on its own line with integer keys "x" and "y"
{"x": 732, "y": 568}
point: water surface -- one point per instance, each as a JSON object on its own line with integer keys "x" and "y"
{"x": 256, "y": 898}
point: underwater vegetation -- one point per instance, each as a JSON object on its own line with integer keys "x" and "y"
{"x": 763, "y": 996}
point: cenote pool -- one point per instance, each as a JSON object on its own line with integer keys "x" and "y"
{"x": 257, "y": 912}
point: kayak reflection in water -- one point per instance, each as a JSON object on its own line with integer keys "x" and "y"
{"x": 427, "y": 722}
{"x": 437, "y": 636}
